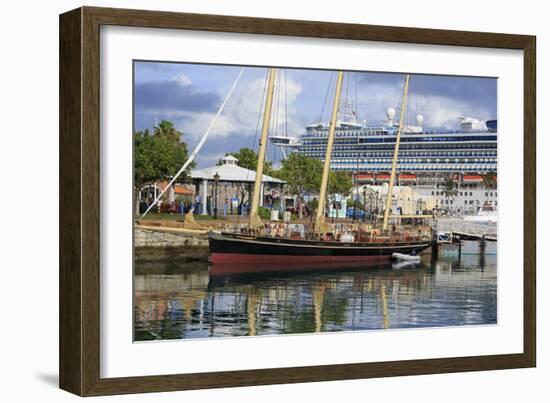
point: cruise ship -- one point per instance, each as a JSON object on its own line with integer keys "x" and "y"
{"x": 426, "y": 157}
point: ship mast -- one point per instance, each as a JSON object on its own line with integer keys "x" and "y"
{"x": 320, "y": 220}
{"x": 395, "y": 154}
{"x": 255, "y": 220}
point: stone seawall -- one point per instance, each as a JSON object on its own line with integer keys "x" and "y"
{"x": 152, "y": 244}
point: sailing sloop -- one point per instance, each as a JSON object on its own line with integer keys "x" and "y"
{"x": 323, "y": 244}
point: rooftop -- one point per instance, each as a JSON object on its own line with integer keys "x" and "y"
{"x": 229, "y": 171}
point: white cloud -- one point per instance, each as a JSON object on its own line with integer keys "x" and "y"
{"x": 441, "y": 111}
{"x": 438, "y": 111}
{"x": 241, "y": 114}
{"x": 183, "y": 80}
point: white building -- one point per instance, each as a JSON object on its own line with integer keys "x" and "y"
{"x": 226, "y": 182}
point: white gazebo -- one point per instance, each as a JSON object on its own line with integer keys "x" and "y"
{"x": 228, "y": 172}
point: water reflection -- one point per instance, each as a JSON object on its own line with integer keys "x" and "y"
{"x": 192, "y": 300}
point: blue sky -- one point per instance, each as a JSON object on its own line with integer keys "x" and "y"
{"x": 190, "y": 94}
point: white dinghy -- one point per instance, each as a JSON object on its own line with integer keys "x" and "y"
{"x": 405, "y": 258}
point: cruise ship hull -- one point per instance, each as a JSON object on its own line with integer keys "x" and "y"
{"x": 237, "y": 248}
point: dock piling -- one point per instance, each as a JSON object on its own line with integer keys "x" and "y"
{"x": 435, "y": 246}
{"x": 482, "y": 244}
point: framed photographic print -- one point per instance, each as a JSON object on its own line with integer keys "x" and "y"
{"x": 249, "y": 201}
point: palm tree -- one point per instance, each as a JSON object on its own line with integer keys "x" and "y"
{"x": 489, "y": 179}
{"x": 167, "y": 129}
{"x": 449, "y": 190}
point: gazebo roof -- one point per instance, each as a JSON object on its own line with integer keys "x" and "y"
{"x": 230, "y": 172}
{"x": 229, "y": 158}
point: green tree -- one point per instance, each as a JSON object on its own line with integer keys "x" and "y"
{"x": 302, "y": 174}
{"x": 166, "y": 129}
{"x": 339, "y": 182}
{"x": 248, "y": 159}
{"x": 449, "y": 190}
{"x": 158, "y": 156}
{"x": 489, "y": 179}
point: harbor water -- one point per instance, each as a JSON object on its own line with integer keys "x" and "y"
{"x": 183, "y": 300}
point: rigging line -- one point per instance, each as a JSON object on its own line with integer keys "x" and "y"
{"x": 326, "y": 97}
{"x": 347, "y": 88}
{"x": 238, "y": 102}
{"x": 280, "y": 99}
{"x": 356, "y": 103}
{"x": 275, "y": 117}
{"x": 264, "y": 94}
{"x": 199, "y": 145}
{"x": 261, "y": 110}
{"x": 416, "y": 99}
{"x": 410, "y": 110}
{"x": 279, "y": 110}
{"x": 286, "y": 109}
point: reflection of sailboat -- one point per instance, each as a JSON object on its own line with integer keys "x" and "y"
{"x": 323, "y": 243}
{"x": 221, "y": 269}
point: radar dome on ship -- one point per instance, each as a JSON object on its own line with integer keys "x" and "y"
{"x": 390, "y": 113}
{"x": 419, "y": 120}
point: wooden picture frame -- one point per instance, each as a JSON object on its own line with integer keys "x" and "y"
{"x": 80, "y": 186}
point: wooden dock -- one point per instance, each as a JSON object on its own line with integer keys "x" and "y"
{"x": 467, "y": 230}
{"x": 457, "y": 232}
